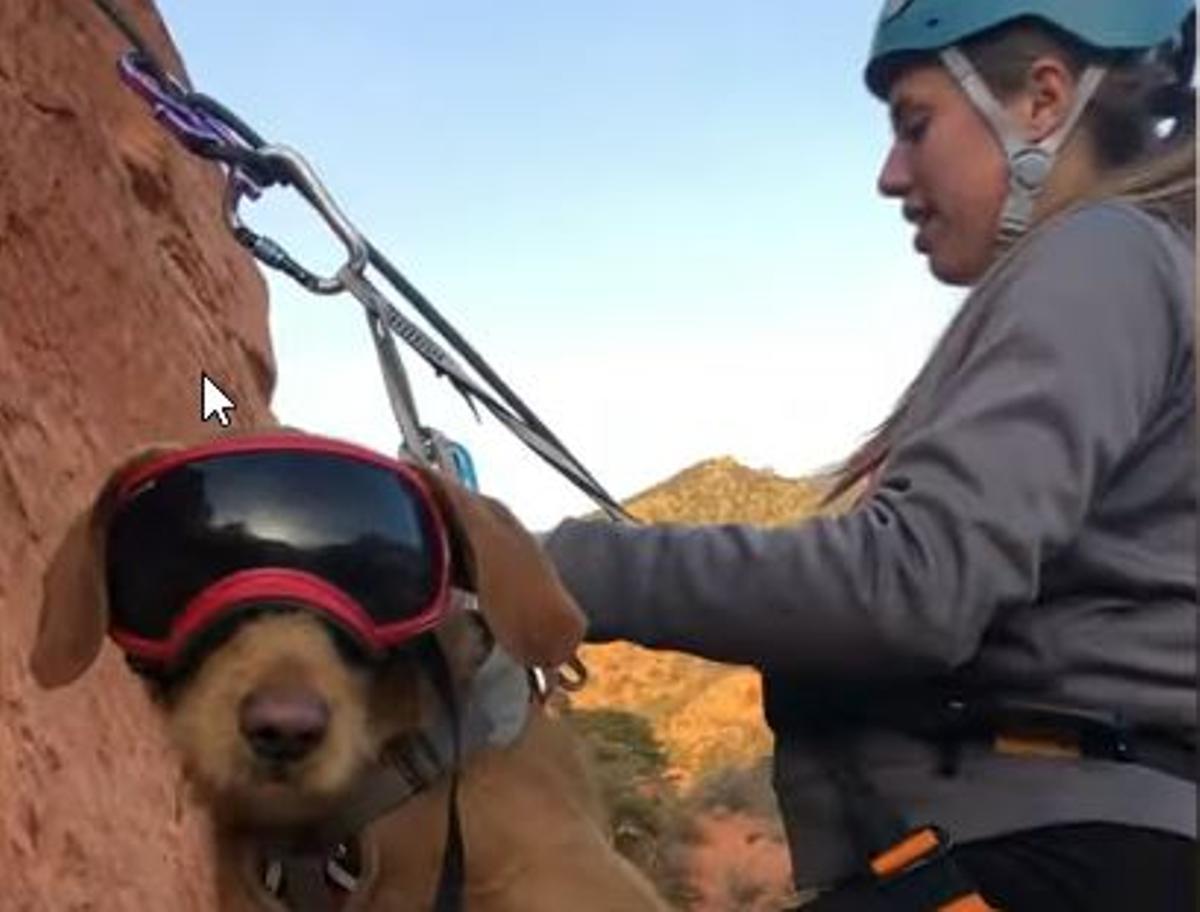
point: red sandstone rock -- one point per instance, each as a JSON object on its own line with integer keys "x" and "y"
{"x": 118, "y": 285}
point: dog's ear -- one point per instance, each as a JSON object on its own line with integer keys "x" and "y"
{"x": 74, "y": 614}
{"x": 520, "y": 595}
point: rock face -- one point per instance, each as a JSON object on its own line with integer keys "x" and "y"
{"x": 118, "y": 285}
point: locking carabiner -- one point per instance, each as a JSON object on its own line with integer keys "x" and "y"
{"x": 299, "y": 174}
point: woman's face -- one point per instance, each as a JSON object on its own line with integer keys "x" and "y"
{"x": 948, "y": 170}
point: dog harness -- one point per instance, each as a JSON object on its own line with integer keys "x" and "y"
{"x": 331, "y": 865}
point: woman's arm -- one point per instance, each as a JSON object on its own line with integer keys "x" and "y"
{"x": 1063, "y": 380}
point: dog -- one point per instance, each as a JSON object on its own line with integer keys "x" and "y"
{"x": 288, "y": 743}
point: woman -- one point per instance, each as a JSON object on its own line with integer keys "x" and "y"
{"x": 999, "y": 637}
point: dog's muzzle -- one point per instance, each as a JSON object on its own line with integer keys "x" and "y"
{"x": 204, "y": 537}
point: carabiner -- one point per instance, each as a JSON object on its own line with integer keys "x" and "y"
{"x": 304, "y": 179}
{"x": 577, "y": 678}
{"x": 169, "y": 99}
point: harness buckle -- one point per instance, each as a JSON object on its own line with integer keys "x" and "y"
{"x": 920, "y": 872}
{"x": 300, "y": 174}
{"x": 915, "y": 847}
{"x": 416, "y": 759}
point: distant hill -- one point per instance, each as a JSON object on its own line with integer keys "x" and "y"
{"x": 724, "y": 490}
{"x": 706, "y": 715}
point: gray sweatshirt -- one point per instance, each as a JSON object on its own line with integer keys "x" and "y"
{"x": 1033, "y": 532}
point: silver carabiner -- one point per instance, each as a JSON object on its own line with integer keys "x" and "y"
{"x": 304, "y": 178}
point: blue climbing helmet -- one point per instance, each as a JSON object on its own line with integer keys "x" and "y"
{"x": 928, "y": 26}
{"x": 914, "y": 28}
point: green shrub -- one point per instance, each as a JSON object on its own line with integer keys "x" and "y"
{"x": 649, "y": 823}
{"x": 740, "y": 790}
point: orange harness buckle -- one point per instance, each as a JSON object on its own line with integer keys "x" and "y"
{"x": 922, "y": 846}
{"x": 917, "y": 846}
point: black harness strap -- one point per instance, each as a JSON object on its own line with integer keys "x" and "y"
{"x": 451, "y": 882}
{"x": 308, "y": 876}
{"x": 908, "y": 869}
{"x": 305, "y": 887}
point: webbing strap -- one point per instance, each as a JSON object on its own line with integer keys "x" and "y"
{"x": 906, "y": 868}
{"x": 873, "y": 824}
{"x": 303, "y": 874}
{"x": 399, "y": 391}
{"x": 305, "y": 887}
{"x": 451, "y": 881}
{"x": 939, "y": 886}
{"x": 1029, "y": 163}
{"x": 382, "y": 313}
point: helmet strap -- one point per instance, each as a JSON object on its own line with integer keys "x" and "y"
{"x": 1029, "y": 163}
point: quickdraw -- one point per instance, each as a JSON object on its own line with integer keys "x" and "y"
{"x": 210, "y": 130}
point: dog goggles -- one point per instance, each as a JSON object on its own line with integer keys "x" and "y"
{"x": 202, "y": 536}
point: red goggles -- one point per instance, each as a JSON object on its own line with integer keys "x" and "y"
{"x": 203, "y": 537}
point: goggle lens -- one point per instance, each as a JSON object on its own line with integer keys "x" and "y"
{"x": 367, "y": 529}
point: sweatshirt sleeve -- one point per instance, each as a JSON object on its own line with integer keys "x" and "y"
{"x": 1059, "y": 385}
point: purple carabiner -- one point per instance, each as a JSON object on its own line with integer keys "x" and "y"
{"x": 197, "y": 131}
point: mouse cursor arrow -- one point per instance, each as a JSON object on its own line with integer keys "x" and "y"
{"x": 213, "y": 402}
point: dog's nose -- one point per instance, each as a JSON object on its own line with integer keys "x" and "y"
{"x": 283, "y": 723}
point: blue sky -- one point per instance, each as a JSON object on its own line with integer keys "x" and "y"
{"x": 657, "y": 221}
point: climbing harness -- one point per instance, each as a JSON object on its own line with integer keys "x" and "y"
{"x": 210, "y": 130}
{"x": 912, "y": 868}
{"x": 907, "y": 868}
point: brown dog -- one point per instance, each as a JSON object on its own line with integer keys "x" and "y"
{"x": 291, "y": 746}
